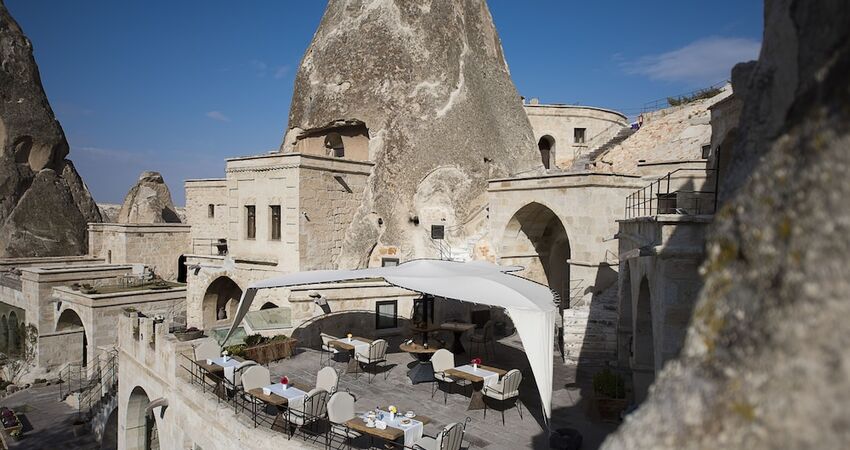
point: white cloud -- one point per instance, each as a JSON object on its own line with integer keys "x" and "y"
{"x": 705, "y": 61}
{"x": 217, "y": 115}
{"x": 281, "y": 72}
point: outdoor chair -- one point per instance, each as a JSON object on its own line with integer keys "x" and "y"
{"x": 441, "y": 361}
{"x": 377, "y": 355}
{"x": 449, "y": 438}
{"x": 340, "y": 411}
{"x": 254, "y": 377}
{"x": 309, "y": 412}
{"x": 506, "y": 390}
{"x": 483, "y": 337}
{"x": 327, "y": 379}
{"x": 208, "y": 349}
{"x": 327, "y": 349}
{"x": 236, "y": 380}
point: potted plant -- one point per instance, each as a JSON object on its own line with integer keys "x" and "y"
{"x": 189, "y": 334}
{"x": 17, "y": 435}
{"x": 610, "y": 393}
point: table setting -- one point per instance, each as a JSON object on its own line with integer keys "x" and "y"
{"x": 381, "y": 419}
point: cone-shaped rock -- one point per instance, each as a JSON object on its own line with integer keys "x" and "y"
{"x": 44, "y": 205}
{"x": 149, "y": 201}
{"x": 425, "y": 87}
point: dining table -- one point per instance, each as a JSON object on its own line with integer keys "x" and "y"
{"x": 393, "y": 433}
{"x": 352, "y": 345}
{"x": 275, "y": 396}
{"x": 215, "y": 369}
{"x": 422, "y": 372}
{"x": 478, "y": 377}
{"x": 457, "y": 329}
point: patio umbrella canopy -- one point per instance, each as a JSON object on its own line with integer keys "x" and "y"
{"x": 530, "y": 304}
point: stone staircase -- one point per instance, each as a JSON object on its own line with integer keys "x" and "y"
{"x": 583, "y": 161}
{"x": 590, "y": 331}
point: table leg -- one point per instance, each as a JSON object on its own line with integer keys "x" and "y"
{"x": 476, "y": 401}
{"x": 457, "y": 346}
{"x": 352, "y": 364}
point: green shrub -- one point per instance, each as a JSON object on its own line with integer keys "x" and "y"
{"x": 254, "y": 339}
{"x": 236, "y": 350}
{"x": 609, "y": 384}
{"x": 280, "y": 337}
{"x": 698, "y": 95}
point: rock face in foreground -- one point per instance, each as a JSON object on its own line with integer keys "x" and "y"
{"x": 767, "y": 360}
{"x": 44, "y": 204}
{"x": 149, "y": 201}
{"x": 429, "y": 81}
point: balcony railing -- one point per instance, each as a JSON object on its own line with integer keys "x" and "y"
{"x": 676, "y": 193}
{"x": 209, "y": 246}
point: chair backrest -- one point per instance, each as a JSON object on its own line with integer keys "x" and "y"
{"x": 326, "y": 338}
{"x": 341, "y": 407}
{"x": 327, "y": 379}
{"x": 316, "y": 403}
{"x": 255, "y": 377}
{"x": 208, "y": 349}
{"x": 511, "y": 382}
{"x": 378, "y": 349}
{"x": 451, "y": 437}
{"x": 442, "y": 360}
{"x": 240, "y": 369}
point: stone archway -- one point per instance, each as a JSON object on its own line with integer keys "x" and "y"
{"x": 109, "y": 441}
{"x": 182, "y": 270}
{"x": 220, "y": 301}
{"x": 14, "y": 334}
{"x": 536, "y": 239}
{"x": 4, "y": 334}
{"x": 643, "y": 367}
{"x": 69, "y": 320}
{"x": 268, "y": 305}
{"x": 546, "y": 146}
{"x": 140, "y": 431}
{"x": 625, "y": 311}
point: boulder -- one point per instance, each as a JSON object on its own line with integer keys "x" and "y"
{"x": 149, "y": 201}
{"x": 32, "y": 162}
{"x": 427, "y": 80}
{"x": 766, "y": 362}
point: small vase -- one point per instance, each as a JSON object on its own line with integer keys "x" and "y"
{"x": 285, "y": 386}
{"x": 475, "y": 366}
{"x": 392, "y": 416}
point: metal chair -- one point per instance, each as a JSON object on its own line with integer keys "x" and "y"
{"x": 340, "y": 411}
{"x": 309, "y": 412}
{"x": 208, "y": 349}
{"x": 441, "y": 361}
{"x": 377, "y": 354}
{"x": 505, "y": 390}
{"x": 483, "y": 337}
{"x": 327, "y": 349}
{"x": 327, "y": 379}
{"x": 449, "y": 438}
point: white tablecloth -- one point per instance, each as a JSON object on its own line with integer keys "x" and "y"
{"x": 221, "y": 362}
{"x": 490, "y": 378}
{"x": 412, "y": 432}
{"x": 359, "y": 346}
{"x": 293, "y": 395}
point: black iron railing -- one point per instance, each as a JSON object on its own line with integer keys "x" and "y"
{"x": 209, "y": 246}
{"x": 94, "y": 382}
{"x": 676, "y": 193}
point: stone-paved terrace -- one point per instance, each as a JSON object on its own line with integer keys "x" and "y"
{"x": 570, "y": 403}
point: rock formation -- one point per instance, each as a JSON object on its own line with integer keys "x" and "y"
{"x": 766, "y": 363}
{"x": 149, "y": 201}
{"x": 44, "y": 204}
{"x": 429, "y": 80}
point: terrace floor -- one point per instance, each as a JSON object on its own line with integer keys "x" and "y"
{"x": 571, "y": 402}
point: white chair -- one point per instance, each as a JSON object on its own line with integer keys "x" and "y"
{"x": 309, "y": 412}
{"x": 254, "y": 377}
{"x": 441, "y": 361}
{"x": 377, "y": 354}
{"x": 340, "y": 411}
{"x": 327, "y": 349}
{"x": 208, "y": 349}
{"x": 450, "y": 438}
{"x": 234, "y": 376}
{"x": 327, "y": 379}
{"x": 507, "y": 389}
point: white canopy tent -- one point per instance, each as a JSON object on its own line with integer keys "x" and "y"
{"x": 530, "y": 304}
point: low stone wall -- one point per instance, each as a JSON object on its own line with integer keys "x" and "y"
{"x": 156, "y": 245}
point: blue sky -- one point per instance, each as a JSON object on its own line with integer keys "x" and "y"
{"x": 177, "y": 86}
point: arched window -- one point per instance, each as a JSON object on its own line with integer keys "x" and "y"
{"x": 546, "y": 145}
{"x": 335, "y": 146}
{"x": 268, "y": 305}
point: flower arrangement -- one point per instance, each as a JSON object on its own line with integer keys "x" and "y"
{"x": 476, "y": 362}
{"x": 225, "y": 354}
{"x": 393, "y": 410}
{"x": 349, "y": 336}
{"x": 284, "y": 381}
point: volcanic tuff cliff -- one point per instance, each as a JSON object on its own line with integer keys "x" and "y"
{"x": 429, "y": 80}
{"x": 44, "y": 204}
{"x": 766, "y": 363}
{"x": 148, "y": 201}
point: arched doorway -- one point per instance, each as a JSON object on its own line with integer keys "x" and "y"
{"x": 536, "y": 239}
{"x": 4, "y": 334}
{"x": 69, "y": 320}
{"x": 182, "y": 270}
{"x": 109, "y": 441}
{"x": 643, "y": 367}
{"x": 140, "y": 430}
{"x": 268, "y": 305}
{"x": 335, "y": 146}
{"x": 13, "y": 339}
{"x": 220, "y": 302}
{"x": 546, "y": 145}
{"x": 625, "y": 332}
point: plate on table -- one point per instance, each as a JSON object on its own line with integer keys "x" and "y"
{"x": 405, "y": 421}
{"x": 410, "y": 414}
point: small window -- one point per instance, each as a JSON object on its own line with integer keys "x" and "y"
{"x": 706, "y": 151}
{"x": 578, "y": 134}
{"x": 389, "y": 262}
{"x": 251, "y": 221}
{"x": 438, "y": 232}
{"x": 210, "y": 210}
{"x": 275, "y": 217}
{"x": 333, "y": 142}
{"x": 386, "y": 314}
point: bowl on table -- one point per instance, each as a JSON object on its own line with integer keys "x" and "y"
{"x": 410, "y": 414}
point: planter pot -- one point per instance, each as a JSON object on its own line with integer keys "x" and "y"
{"x": 189, "y": 335}
{"x": 610, "y": 408}
{"x": 271, "y": 351}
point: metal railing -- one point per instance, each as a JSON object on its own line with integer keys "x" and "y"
{"x": 662, "y": 103}
{"x": 95, "y": 382}
{"x": 209, "y": 246}
{"x": 663, "y": 197}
